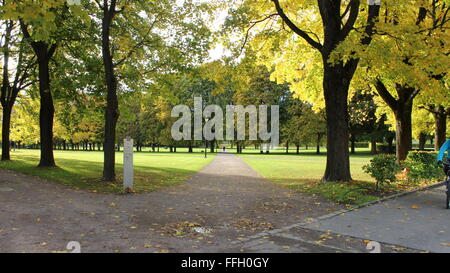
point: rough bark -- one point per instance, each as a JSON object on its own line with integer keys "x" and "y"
{"x": 112, "y": 105}
{"x": 422, "y": 141}
{"x": 5, "y": 95}
{"x": 402, "y": 108}
{"x": 44, "y": 52}
{"x": 47, "y": 110}
{"x": 403, "y": 121}
{"x": 6, "y": 125}
{"x": 336, "y": 84}
{"x": 440, "y": 120}
{"x": 10, "y": 89}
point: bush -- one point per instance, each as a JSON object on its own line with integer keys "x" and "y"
{"x": 423, "y": 166}
{"x": 383, "y": 168}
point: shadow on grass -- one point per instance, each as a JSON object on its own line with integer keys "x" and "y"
{"x": 353, "y": 193}
{"x": 356, "y": 192}
{"x": 86, "y": 175}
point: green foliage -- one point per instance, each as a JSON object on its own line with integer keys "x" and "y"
{"x": 423, "y": 166}
{"x": 364, "y": 123}
{"x": 383, "y": 168}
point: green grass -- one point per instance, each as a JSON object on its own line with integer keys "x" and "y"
{"x": 83, "y": 170}
{"x": 303, "y": 173}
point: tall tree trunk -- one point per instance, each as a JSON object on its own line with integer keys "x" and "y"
{"x": 7, "y": 97}
{"x": 390, "y": 141}
{"x": 402, "y": 108}
{"x": 440, "y": 121}
{"x": 353, "y": 143}
{"x": 6, "y": 126}
{"x": 44, "y": 52}
{"x": 47, "y": 109}
{"x": 287, "y": 147}
{"x": 373, "y": 146}
{"x": 403, "y": 121}
{"x": 212, "y": 146}
{"x": 112, "y": 104}
{"x": 336, "y": 85}
{"x": 298, "y": 149}
{"x": 319, "y": 138}
{"x": 422, "y": 141}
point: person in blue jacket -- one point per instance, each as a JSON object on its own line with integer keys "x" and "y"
{"x": 440, "y": 159}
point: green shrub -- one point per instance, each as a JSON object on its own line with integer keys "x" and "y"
{"x": 383, "y": 168}
{"x": 423, "y": 166}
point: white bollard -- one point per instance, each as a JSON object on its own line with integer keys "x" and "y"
{"x": 128, "y": 164}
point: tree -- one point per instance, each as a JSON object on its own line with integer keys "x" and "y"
{"x": 112, "y": 112}
{"x": 42, "y": 39}
{"x": 440, "y": 115}
{"x": 338, "y": 20}
{"x": 407, "y": 58}
{"x": 439, "y": 106}
{"x": 422, "y": 126}
{"x": 14, "y": 51}
{"x": 147, "y": 37}
{"x": 364, "y": 123}
{"x": 305, "y": 125}
{"x": 25, "y": 121}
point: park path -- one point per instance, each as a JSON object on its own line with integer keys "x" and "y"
{"x": 224, "y": 202}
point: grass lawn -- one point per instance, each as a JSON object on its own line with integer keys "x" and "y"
{"x": 303, "y": 173}
{"x": 83, "y": 170}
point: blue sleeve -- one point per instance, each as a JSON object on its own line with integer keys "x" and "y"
{"x": 444, "y": 148}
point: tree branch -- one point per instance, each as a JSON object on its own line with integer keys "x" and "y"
{"x": 385, "y": 95}
{"x": 354, "y": 12}
{"x": 296, "y": 29}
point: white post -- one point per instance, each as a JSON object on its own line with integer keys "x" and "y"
{"x": 128, "y": 164}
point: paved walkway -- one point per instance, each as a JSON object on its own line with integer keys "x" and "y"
{"x": 225, "y": 201}
{"x": 418, "y": 221}
{"x": 226, "y": 207}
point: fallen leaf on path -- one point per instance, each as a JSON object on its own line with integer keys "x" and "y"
{"x": 399, "y": 248}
